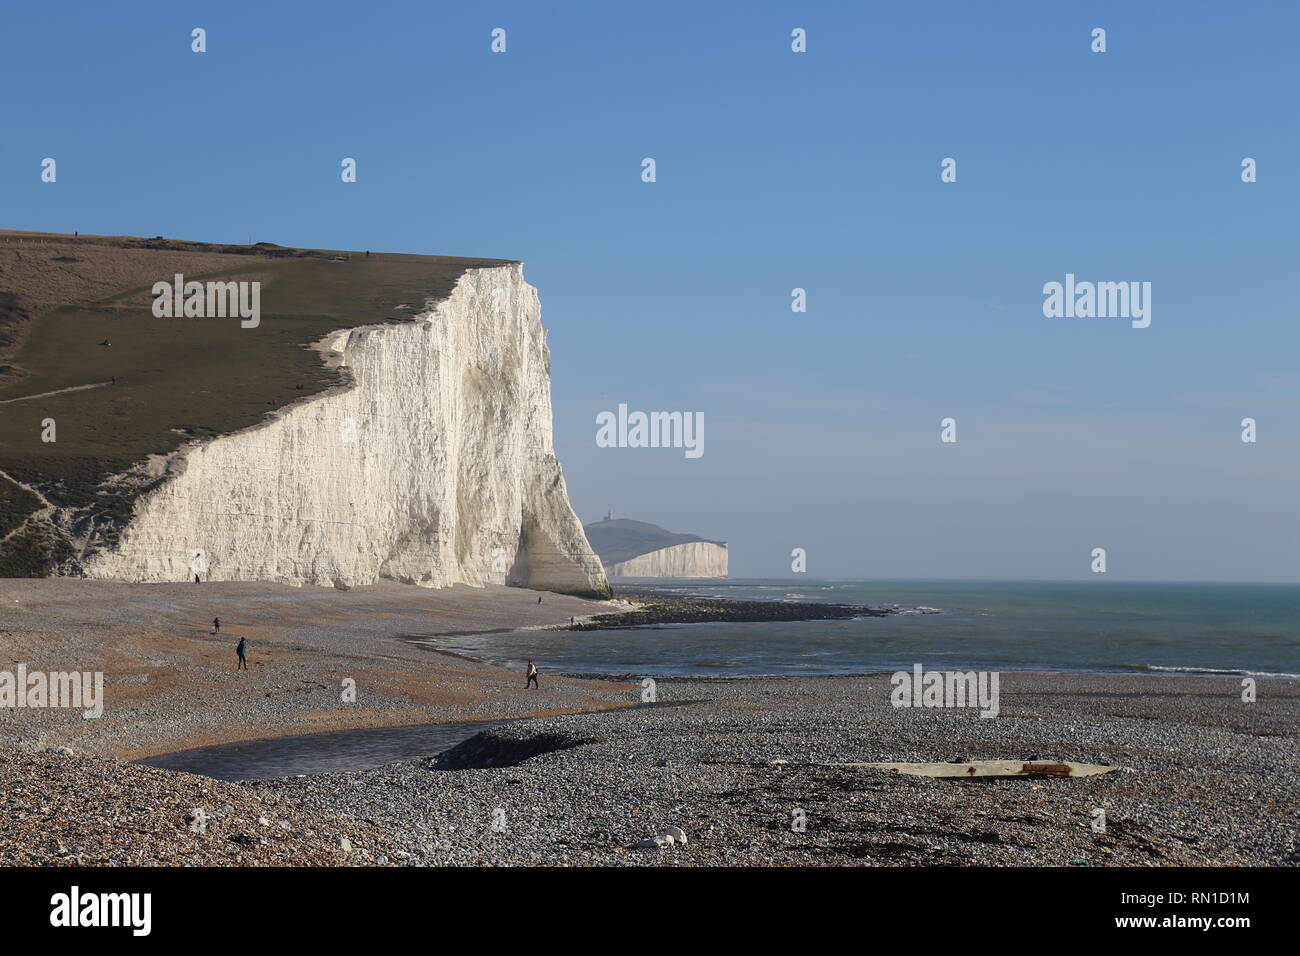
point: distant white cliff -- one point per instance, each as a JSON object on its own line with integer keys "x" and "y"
{"x": 698, "y": 559}
{"x": 636, "y": 549}
{"x": 434, "y": 466}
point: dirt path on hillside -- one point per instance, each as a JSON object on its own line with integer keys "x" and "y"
{"x": 57, "y": 391}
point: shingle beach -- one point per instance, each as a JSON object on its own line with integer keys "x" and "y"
{"x": 747, "y": 769}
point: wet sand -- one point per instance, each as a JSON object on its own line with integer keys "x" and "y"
{"x": 171, "y": 682}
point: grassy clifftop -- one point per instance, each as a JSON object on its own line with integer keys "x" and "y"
{"x": 159, "y": 382}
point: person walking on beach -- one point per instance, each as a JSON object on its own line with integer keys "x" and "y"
{"x": 216, "y": 625}
{"x": 532, "y": 677}
{"x": 242, "y": 651}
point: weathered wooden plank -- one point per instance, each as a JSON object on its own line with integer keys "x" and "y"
{"x": 992, "y": 768}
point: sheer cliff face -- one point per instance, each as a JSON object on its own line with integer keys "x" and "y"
{"x": 434, "y": 467}
{"x": 696, "y": 559}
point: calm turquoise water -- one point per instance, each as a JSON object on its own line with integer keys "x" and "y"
{"x": 1087, "y": 626}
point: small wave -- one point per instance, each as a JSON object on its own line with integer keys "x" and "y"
{"x": 1226, "y": 671}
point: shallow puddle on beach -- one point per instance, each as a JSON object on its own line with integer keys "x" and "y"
{"x": 334, "y": 752}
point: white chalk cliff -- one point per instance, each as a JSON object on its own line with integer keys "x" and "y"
{"x": 695, "y": 559}
{"x": 638, "y": 549}
{"x": 433, "y": 465}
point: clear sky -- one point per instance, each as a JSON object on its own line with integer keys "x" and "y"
{"x": 775, "y": 170}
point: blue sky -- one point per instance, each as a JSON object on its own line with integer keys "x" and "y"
{"x": 776, "y": 170}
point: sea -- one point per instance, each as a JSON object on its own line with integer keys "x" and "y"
{"x": 1086, "y": 626}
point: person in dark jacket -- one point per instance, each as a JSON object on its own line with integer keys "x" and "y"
{"x": 242, "y": 651}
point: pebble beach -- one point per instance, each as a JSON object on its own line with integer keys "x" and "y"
{"x": 170, "y": 681}
{"x": 748, "y": 770}
{"x": 1203, "y": 779}
{"x": 752, "y": 771}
